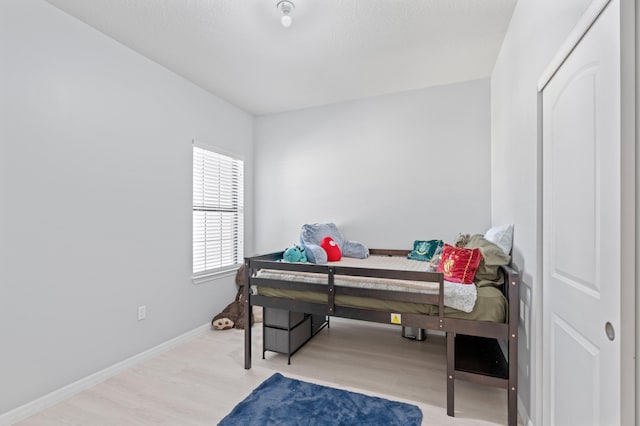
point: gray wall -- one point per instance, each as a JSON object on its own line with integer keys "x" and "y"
{"x": 95, "y": 200}
{"x": 536, "y": 31}
{"x": 387, "y": 170}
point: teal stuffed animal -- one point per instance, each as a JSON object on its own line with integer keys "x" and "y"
{"x": 294, "y": 254}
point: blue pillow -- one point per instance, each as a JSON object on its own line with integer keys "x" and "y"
{"x": 424, "y": 250}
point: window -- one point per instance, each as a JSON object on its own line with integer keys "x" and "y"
{"x": 218, "y": 211}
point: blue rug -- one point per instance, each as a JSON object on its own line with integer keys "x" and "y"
{"x": 283, "y": 401}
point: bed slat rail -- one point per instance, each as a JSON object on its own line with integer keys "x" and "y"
{"x": 285, "y": 266}
{"x": 494, "y": 330}
{"x": 433, "y": 277}
{"x": 389, "y": 252}
{"x": 431, "y": 299}
{"x": 289, "y": 285}
{"x": 290, "y": 304}
{"x": 415, "y": 320}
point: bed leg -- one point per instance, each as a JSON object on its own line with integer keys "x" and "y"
{"x": 513, "y": 406}
{"x": 247, "y": 341}
{"x": 247, "y": 315}
{"x": 514, "y": 315}
{"x": 451, "y": 363}
{"x": 512, "y": 390}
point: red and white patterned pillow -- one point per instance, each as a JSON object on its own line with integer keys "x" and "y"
{"x": 459, "y": 265}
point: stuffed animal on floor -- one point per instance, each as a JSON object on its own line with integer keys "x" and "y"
{"x": 233, "y": 315}
{"x": 295, "y": 254}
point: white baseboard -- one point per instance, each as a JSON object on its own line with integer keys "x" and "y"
{"x": 33, "y": 407}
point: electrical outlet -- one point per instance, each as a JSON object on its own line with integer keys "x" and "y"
{"x": 142, "y": 312}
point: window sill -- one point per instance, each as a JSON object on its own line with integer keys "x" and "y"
{"x": 213, "y": 275}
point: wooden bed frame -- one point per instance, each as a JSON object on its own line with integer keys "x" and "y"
{"x": 473, "y": 352}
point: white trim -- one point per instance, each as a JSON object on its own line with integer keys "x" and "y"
{"x": 535, "y": 327}
{"x": 217, "y": 149}
{"x": 226, "y": 271}
{"x": 35, "y": 406}
{"x": 629, "y": 169}
{"x": 581, "y": 28}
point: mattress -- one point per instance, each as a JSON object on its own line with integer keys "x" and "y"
{"x": 464, "y": 301}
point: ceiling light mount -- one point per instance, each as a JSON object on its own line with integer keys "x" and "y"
{"x": 286, "y": 7}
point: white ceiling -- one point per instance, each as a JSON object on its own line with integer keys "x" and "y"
{"x": 336, "y": 50}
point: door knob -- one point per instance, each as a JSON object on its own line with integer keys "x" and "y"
{"x": 608, "y": 328}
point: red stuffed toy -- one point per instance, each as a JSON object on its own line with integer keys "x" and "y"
{"x": 333, "y": 251}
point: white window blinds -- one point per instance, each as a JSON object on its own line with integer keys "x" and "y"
{"x": 218, "y": 211}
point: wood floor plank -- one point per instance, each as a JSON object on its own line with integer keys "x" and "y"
{"x": 200, "y": 381}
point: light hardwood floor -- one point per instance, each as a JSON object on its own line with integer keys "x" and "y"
{"x": 199, "y": 382}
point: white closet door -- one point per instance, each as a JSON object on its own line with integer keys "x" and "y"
{"x": 582, "y": 231}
